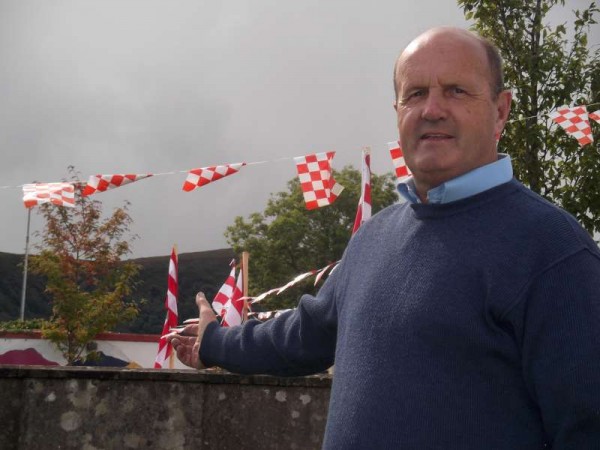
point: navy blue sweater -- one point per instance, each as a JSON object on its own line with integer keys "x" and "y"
{"x": 470, "y": 325}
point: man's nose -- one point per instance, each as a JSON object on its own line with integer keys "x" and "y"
{"x": 434, "y": 107}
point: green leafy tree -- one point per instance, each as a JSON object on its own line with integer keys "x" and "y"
{"x": 80, "y": 258}
{"x": 286, "y": 240}
{"x": 546, "y": 67}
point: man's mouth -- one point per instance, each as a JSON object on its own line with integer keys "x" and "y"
{"x": 435, "y": 136}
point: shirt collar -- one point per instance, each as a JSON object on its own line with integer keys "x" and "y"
{"x": 465, "y": 185}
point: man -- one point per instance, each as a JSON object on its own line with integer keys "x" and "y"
{"x": 465, "y": 318}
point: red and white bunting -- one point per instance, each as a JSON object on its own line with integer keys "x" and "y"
{"x": 220, "y": 301}
{"x": 164, "y": 348}
{"x": 400, "y": 166}
{"x": 234, "y": 308}
{"x": 316, "y": 180}
{"x": 101, "y": 183}
{"x": 199, "y": 177}
{"x": 595, "y": 116}
{"x": 60, "y": 194}
{"x": 575, "y": 122}
{"x": 363, "y": 211}
{"x": 324, "y": 270}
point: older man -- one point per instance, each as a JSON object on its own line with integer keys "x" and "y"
{"x": 467, "y": 317}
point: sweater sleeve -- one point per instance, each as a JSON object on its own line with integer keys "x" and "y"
{"x": 299, "y": 342}
{"x": 559, "y": 325}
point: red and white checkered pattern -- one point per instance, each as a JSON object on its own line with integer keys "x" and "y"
{"x": 165, "y": 349}
{"x": 363, "y": 212}
{"x": 234, "y": 308}
{"x": 575, "y": 122}
{"x": 225, "y": 293}
{"x": 400, "y": 166}
{"x": 595, "y": 116}
{"x": 101, "y": 183}
{"x": 317, "y": 183}
{"x": 199, "y": 177}
{"x": 60, "y": 194}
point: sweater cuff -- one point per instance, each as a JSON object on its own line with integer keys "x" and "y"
{"x": 210, "y": 341}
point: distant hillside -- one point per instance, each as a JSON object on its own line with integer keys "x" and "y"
{"x": 200, "y": 271}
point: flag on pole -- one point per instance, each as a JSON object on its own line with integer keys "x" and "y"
{"x": 363, "y": 212}
{"x": 199, "y": 177}
{"x": 575, "y": 122}
{"x": 233, "y": 314}
{"x": 225, "y": 292}
{"x": 400, "y": 166}
{"x": 60, "y": 194}
{"x": 165, "y": 349}
{"x": 317, "y": 183}
{"x": 101, "y": 183}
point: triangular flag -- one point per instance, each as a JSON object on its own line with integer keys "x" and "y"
{"x": 363, "y": 212}
{"x": 199, "y": 177}
{"x": 234, "y": 308}
{"x": 101, "y": 183}
{"x": 226, "y": 291}
{"x": 165, "y": 349}
{"x": 317, "y": 183}
{"x": 60, "y": 194}
{"x": 575, "y": 122}
{"x": 400, "y": 166}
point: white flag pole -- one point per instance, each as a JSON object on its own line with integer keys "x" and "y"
{"x": 24, "y": 288}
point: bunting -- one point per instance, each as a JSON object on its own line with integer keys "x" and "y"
{"x": 595, "y": 116}
{"x": 219, "y": 303}
{"x": 165, "y": 349}
{"x": 400, "y": 166}
{"x": 363, "y": 212}
{"x": 101, "y": 183}
{"x": 575, "y": 122}
{"x": 60, "y": 194}
{"x": 316, "y": 180}
{"x": 199, "y": 177}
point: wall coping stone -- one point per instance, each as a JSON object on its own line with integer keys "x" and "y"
{"x": 207, "y": 376}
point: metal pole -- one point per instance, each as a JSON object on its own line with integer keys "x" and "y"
{"x": 24, "y": 288}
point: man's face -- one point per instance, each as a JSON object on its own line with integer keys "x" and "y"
{"x": 448, "y": 117}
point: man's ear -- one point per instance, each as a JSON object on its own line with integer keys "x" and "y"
{"x": 503, "y": 103}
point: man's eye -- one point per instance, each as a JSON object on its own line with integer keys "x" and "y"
{"x": 457, "y": 90}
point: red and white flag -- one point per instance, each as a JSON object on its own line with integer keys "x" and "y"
{"x": 400, "y": 166}
{"x": 101, "y": 183}
{"x": 317, "y": 183}
{"x": 575, "y": 122}
{"x": 199, "y": 177}
{"x": 60, "y": 194}
{"x": 595, "y": 116}
{"x": 164, "y": 348}
{"x": 234, "y": 309}
{"x": 363, "y": 212}
{"x": 225, "y": 293}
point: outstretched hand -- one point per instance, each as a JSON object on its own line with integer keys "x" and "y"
{"x": 187, "y": 341}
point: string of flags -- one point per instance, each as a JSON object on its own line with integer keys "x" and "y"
{"x": 314, "y": 170}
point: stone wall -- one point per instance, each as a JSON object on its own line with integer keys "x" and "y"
{"x": 102, "y": 408}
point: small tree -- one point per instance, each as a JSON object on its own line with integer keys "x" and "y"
{"x": 286, "y": 239}
{"x": 80, "y": 257}
{"x": 547, "y": 67}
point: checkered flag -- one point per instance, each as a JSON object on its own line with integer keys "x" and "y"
{"x": 199, "y": 177}
{"x": 317, "y": 183}
{"x": 60, "y": 194}
{"x": 400, "y": 167}
{"x": 101, "y": 183}
{"x": 575, "y": 122}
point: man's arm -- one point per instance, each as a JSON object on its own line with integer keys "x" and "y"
{"x": 298, "y": 342}
{"x": 561, "y": 350}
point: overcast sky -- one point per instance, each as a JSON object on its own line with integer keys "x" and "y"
{"x": 160, "y": 86}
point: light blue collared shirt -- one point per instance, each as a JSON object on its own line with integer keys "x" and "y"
{"x": 465, "y": 185}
